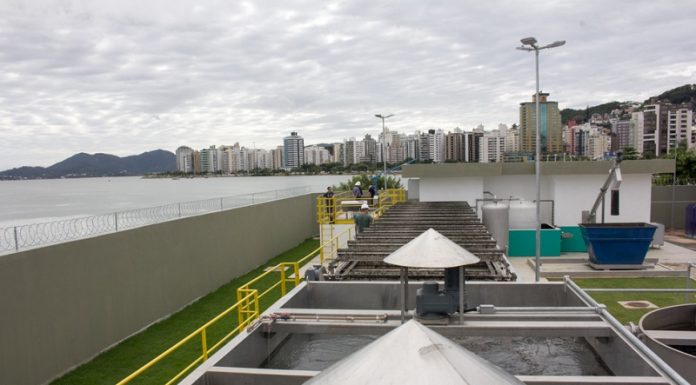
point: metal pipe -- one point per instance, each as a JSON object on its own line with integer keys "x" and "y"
{"x": 403, "y": 296}
{"x": 632, "y": 339}
{"x": 537, "y": 171}
{"x": 638, "y": 290}
{"x": 462, "y": 292}
{"x": 406, "y": 291}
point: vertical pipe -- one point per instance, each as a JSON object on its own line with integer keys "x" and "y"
{"x": 537, "y": 164}
{"x": 403, "y": 296}
{"x": 283, "y": 286}
{"x": 461, "y": 295}
{"x": 406, "y": 291}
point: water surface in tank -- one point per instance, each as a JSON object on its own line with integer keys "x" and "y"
{"x": 516, "y": 355}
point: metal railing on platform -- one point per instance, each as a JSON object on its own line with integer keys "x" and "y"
{"x": 339, "y": 208}
{"x": 252, "y": 298}
{"x": 17, "y": 238}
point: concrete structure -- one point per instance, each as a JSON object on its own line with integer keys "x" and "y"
{"x": 293, "y": 151}
{"x": 526, "y": 310}
{"x": 549, "y": 126}
{"x": 572, "y": 185}
{"x": 64, "y": 304}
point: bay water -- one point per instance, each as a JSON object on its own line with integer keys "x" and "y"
{"x": 33, "y": 201}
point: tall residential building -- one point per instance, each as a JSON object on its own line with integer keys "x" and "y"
{"x": 316, "y": 155}
{"x": 472, "y": 147}
{"x": 664, "y": 126}
{"x": 352, "y": 151}
{"x": 293, "y": 151}
{"x": 549, "y": 126}
{"x": 454, "y": 146}
{"x": 339, "y": 153}
{"x": 277, "y": 155}
{"x": 369, "y": 150}
{"x": 622, "y": 129}
{"x": 512, "y": 139}
{"x": 491, "y": 147}
{"x": 196, "y": 162}
{"x": 184, "y": 159}
{"x": 636, "y": 126}
{"x": 411, "y": 147}
{"x": 209, "y": 160}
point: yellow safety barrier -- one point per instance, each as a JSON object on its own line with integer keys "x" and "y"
{"x": 337, "y": 209}
{"x": 248, "y": 308}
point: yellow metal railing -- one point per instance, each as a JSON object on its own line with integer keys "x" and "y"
{"x": 335, "y": 210}
{"x": 248, "y": 308}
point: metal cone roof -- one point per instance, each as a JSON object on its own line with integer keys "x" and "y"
{"x": 431, "y": 250}
{"x": 413, "y": 354}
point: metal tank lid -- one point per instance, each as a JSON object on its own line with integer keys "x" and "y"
{"x": 413, "y": 354}
{"x": 431, "y": 250}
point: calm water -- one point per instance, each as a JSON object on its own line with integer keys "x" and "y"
{"x": 32, "y": 201}
{"x": 549, "y": 356}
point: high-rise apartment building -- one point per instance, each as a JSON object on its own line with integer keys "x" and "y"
{"x": 277, "y": 155}
{"x": 184, "y": 159}
{"x": 293, "y": 151}
{"x": 316, "y": 155}
{"x": 369, "y": 145}
{"x": 491, "y": 147}
{"x": 454, "y": 146}
{"x": 665, "y": 125}
{"x": 549, "y": 126}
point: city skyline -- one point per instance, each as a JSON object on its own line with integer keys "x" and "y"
{"x": 119, "y": 78}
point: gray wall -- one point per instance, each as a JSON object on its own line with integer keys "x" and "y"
{"x": 61, "y": 305}
{"x": 661, "y": 206}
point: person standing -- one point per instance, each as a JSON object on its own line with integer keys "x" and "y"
{"x": 329, "y": 202}
{"x": 372, "y": 191}
{"x": 363, "y": 220}
{"x": 357, "y": 190}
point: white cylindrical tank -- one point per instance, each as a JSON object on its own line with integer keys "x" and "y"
{"x": 522, "y": 215}
{"x": 495, "y": 218}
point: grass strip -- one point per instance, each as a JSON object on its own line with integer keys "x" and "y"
{"x": 118, "y": 362}
{"x": 624, "y": 315}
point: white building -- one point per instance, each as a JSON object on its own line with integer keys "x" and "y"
{"x": 491, "y": 147}
{"x": 316, "y": 155}
{"x": 184, "y": 159}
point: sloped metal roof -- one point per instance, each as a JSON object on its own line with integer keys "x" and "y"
{"x": 413, "y": 354}
{"x": 431, "y": 250}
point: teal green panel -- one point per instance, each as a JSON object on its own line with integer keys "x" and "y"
{"x": 521, "y": 243}
{"x": 574, "y": 243}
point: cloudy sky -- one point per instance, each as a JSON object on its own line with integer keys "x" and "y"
{"x": 125, "y": 77}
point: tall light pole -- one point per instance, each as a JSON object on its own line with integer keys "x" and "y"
{"x": 530, "y": 44}
{"x": 384, "y": 146}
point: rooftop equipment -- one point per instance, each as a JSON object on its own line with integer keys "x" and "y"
{"x": 433, "y": 250}
{"x": 613, "y": 180}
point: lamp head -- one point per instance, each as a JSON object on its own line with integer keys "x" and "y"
{"x": 556, "y": 43}
{"x": 529, "y": 41}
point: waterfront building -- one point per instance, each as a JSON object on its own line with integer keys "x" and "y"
{"x": 184, "y": 159}
{"x": 316, "y": 155}
{"x": 549, "y": 126}
{"x": 277, "y": 155}
{"x": 338, "y": 153}
{"x": 293, "y": 151}
{"x": 472, "y": 146}
{"x": 352, "y": 151}
{"x": 209, "y": 159}
{"x": 196, "y": 162}
{"x": 411, "y": 146}
{"x": 369, "y": 154}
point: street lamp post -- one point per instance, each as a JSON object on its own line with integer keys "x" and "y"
{"x": 530, "y": 44}
{"x": 384, "y": 147}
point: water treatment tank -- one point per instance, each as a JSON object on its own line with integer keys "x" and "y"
{"x": 495, "y": 218}
{"x": 522, "y": 215}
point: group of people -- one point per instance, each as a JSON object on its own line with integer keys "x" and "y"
{"x": 363, "y": 219}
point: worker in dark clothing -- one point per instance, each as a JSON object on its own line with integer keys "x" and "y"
{"x": 329, "y": 202}
{"x": 357, "y": 190}
{"x": 372, "y": 191}
{"x": 363, "y": 220}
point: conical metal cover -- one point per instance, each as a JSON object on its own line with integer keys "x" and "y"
{"x": 431, "y": 250}
{"x": 413, "y": 354}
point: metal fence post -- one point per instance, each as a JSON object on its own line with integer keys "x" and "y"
{"x": 16, "y": 239}
{"x": 116, "y": 221}
{"x": 688, "y": 281}
{"x": 252, "y": 198}
{"x": 221, "y": 204}
{"x": 179, "y": 209}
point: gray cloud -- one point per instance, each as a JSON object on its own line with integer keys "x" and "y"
{"x": 130, "y": 76}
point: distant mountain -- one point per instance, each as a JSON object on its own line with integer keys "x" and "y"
{"x": 88, "y": 165}
{"x": 683, "y": 94}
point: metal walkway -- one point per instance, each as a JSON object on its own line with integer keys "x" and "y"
{"x": 455, "y": 220}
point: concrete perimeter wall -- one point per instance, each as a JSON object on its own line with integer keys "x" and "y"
{"x": 61, "y": 305}
{"x": 661, "y": 205}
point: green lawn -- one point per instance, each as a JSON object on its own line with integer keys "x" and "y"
{"x": 113, "y": 365}
{"x": 633, "y": 315}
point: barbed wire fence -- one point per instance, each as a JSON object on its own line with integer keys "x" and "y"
{"x": 18, "y": 238}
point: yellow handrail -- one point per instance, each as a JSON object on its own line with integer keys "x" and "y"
{"x": 248, "y": 310}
